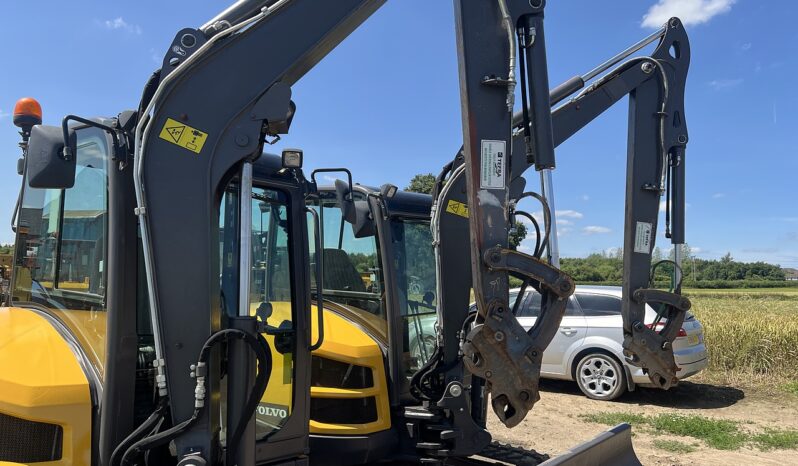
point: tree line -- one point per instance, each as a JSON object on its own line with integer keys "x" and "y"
{"x": 726, "y": 272}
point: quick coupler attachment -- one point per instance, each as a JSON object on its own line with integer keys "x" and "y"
{"x": 650, "y": 346}
{"x": 499, "y": 350}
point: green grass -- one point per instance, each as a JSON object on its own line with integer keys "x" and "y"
{"x": 775, "y": 439}
{"x": 674, "y": 446}
{"x": 721, "y": 434}
{"x": 612, "y": 419}
{"x": 790, "y": 387}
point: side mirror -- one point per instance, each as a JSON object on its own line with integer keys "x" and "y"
{"x": 46, "y": 164}
{"x": 343, "y": 194}
{"x": 364, "y": 225}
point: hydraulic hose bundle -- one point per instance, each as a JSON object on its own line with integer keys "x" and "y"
{"x": 146, "y": 437}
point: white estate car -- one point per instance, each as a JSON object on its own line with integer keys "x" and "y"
{"x": 588, "y": 347}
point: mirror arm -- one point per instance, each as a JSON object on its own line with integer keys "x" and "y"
{"x": 333, "y": 170}
{"x": 65, "y": 127}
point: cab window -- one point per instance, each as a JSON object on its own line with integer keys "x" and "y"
{"x": 352, "y": 268}
{"x": 60, "y": 257}
{"x": 417, "y": 287}
{"x": 270, "y": 295}
{"x": 61, "y": 241}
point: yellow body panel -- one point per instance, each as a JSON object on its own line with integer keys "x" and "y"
{"x": 42, "y": 381}
{"x": 89, "y": 328}
{"x": 346, "y": 342}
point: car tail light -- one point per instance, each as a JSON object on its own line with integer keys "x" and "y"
{"x": 661, "y": 325}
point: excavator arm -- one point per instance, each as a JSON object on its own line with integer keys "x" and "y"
{"x": 657, "y": 139}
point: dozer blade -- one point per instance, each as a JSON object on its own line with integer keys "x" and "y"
{"x": 612, "y": 448}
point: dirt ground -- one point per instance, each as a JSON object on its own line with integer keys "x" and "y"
{"x": 554, "y": 425}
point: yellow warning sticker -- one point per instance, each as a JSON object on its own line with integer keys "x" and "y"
{"x": 183, "y": 135}
{"x": 457, "y": 208}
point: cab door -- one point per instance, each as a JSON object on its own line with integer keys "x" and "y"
{"x": 279, "y": 295}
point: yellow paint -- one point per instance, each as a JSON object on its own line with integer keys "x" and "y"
{"x": 42, "y": 381}
{"x": 457, "y": 208}
{"x": 183, "y": 135}
{"x": 69, "y": 286}
{"x": 343, "y": 341}
{"x": 89, "y": 329}
{"x": 280, "y": 391}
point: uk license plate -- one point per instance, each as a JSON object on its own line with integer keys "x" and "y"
{"x": 692, "y": 340}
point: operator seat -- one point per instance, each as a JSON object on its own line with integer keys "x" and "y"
{"x": 340, "y": 273}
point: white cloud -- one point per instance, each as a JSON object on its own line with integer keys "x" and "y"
{"x": 564, "y": 217}
{"x": 595, "y": 230}
{"x": 4, "y": 114}
{"x": 718, "y": 195}
{"x": 585, "y": 197}
{"x": 569, "y": 214}
{"x": 689, "y": 11}
{"x": 156, "y": 58}
{"x": 745, "y": 47}
{"x": 724, "y": 84}
{"x": 119, "y": 24}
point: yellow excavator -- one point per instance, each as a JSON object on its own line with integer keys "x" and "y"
{"x": 178, "y": 296}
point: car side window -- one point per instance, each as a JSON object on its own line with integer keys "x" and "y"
{"x": 594, "y": 305}
{"x": 532, "y": 306}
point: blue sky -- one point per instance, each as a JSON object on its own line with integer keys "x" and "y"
{"x": 386, "y": 103}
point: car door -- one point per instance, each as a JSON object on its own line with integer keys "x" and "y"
{"x": 566, "y": 341}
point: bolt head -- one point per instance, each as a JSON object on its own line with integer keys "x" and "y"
{"x": 488, "y": 374}
{"x": 647, "y": 67}
{"x": 456, "y": 390}
{"x": 242, "y": 140}
{"x": 499, "y": 336}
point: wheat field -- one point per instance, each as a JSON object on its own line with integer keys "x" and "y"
{"x": 751, "y": 335}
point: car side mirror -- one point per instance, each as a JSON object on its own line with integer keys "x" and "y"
{"x": 47, "y": 165}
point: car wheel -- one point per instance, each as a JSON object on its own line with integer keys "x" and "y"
{"x": 600, "y": 377}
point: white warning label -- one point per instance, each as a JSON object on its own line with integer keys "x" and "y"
{"x": 643, "y": 238}
{"x": 494, "y": 161}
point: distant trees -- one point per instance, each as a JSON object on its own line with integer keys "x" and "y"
{"x": 608, "y": 267}
{"x": 6, "y": 248}
{"x": 422, "y": 183}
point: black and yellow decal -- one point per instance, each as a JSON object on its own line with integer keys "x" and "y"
{"x": 457, "y": 208}
{"x": 183, "y": 135}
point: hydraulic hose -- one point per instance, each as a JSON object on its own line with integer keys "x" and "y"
{"x": 144, "y": 429}
{"x": 261, "y": 349}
